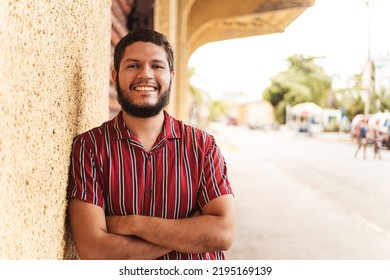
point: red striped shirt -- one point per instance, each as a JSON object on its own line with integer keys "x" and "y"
{"x": 183, "y": 172}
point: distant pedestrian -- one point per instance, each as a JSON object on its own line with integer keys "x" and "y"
{"x": 378, "y": 138}
{"x": 361, "y": 135}
{"x": 387, "y": 135}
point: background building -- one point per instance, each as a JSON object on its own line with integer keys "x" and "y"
{"x": 382, "y": 74}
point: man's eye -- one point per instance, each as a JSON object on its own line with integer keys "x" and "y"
{"x": 132, "y": 66}
{"x": 157, "y": 67}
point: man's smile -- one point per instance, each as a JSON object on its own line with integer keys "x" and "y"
{"x": 144, "y": 88}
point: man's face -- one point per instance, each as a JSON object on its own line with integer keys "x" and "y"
{"x": 144, "y": 80}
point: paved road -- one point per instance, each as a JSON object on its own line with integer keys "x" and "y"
{"x": 302, "y": 197}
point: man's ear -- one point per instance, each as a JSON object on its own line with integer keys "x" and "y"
{"x": 172, "y": 75}
{"x": 113, "y": 78}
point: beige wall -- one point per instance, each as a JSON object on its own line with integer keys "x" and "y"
{"x": 54, "y": 79}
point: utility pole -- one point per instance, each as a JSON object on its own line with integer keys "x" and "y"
{"x": 367, "y": 69}
{"x": 368, "y": 3}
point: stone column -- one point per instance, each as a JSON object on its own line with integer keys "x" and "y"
{"x": 54, "y": 72}
{"x": 170, "y": 19}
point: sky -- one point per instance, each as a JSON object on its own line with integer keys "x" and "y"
{"x": 336, "y": 30}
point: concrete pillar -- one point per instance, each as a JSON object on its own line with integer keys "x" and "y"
{"x": 171, "y": 20}
{"x": 54, "y": 72}
{"x": 165, "y": 21}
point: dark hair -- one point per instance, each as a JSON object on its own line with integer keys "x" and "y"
{"x": 143, "y": 35}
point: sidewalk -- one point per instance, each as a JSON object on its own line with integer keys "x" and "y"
{"x": 282, "y": 217}
{"x": 336, "y": 136}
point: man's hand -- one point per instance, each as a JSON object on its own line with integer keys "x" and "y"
{"x": 213, "y": 230}
{"x": 89, "y": 232}
{"x": 123, "y": 224}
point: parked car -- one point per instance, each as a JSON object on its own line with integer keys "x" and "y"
{"x": 385, "y": 133}
{"x": 232, "y": 121}
{"x": 265, "y": 126}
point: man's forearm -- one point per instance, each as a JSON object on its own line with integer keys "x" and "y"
{"x": 92, "y": 241}
{"x": 204, "y": 233}
{"x": 118, "y": 247}
{"x": 199, "y": 234}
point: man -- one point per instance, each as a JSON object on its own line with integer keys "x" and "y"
{"x": 145, "y": 185}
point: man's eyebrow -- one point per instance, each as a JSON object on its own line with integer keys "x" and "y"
{"x": 130, "y": 60}
{"x": 158, "y": 60}
{"x": 127, "y": 60}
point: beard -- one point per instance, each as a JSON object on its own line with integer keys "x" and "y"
{"x": 142, "y": 111}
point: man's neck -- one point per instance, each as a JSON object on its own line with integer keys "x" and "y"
{"x": 145, "y": 129}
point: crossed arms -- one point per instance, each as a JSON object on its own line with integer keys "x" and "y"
{"x": 143, "y": 237}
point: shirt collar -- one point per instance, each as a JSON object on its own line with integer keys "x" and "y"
{"x": 171, "y": 128}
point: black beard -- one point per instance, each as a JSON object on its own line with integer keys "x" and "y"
{"x": 142, "y": 111}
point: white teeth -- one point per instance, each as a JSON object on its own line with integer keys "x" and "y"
{"x": 144, "y": 88}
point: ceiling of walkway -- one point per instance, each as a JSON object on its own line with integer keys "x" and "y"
{"x": 215, "y": 20}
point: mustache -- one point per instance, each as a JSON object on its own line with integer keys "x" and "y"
{"x": 142, "y": 111}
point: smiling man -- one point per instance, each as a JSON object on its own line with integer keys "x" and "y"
{"x": 144, "y": 185}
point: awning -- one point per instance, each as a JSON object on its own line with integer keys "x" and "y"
{"x": 306, "y": 109}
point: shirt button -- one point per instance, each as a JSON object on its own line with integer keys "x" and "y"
{"x": 148, "y": 191}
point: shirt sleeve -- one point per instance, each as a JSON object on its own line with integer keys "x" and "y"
{"x": 83, "y": 181}
{"x": 214, "y": 181}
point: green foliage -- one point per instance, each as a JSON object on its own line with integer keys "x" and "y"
{"x": 303, "y": 81}
{"x": 333, "y": 126}
{"x": 218, "y": 109}
{"x": 201, "y": 102}
{"x": 352, "y": 103}
{"x": 384, "y": 99}
{"x": 351, "y": 98}
{"x": 280, "y": 112}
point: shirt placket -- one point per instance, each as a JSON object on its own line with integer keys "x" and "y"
{"x": 147, "y": 196}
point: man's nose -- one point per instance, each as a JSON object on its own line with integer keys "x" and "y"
{"x": 146, "y": 72}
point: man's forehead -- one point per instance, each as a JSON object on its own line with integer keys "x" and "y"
{"x": 145, "y": 46}
{"x": 142, "y": 50}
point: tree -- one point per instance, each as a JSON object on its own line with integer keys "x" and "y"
{"x": 203, "y": 108}
{"x": 218, "y": 109}
{"x": 303, "y": 81}
{"x": 384, "y": 99}
{"x": 350, "y": 98}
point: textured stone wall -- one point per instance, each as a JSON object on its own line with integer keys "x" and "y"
{"x": 54, "y": 80}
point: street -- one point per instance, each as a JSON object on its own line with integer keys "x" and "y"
{"x": 305, "y": 198}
